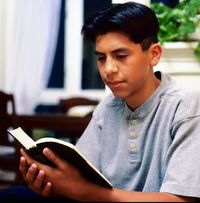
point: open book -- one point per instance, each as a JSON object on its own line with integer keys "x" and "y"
{"x": 63, "y": 149}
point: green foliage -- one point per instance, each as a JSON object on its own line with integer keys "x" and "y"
{"x": 197, "y": 51}
{"x": 177, "y": 23}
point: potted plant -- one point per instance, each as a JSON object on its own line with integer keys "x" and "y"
{"x": 179, "y": 24}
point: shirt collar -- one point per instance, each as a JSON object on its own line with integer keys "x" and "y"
{"x": 143, "y": 110}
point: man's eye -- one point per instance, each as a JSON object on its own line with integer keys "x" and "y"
{"x": 100, "y": 58}
{"x": 120, "y": 57}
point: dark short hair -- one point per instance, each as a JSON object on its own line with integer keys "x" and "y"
{"x": 135, "y": 20}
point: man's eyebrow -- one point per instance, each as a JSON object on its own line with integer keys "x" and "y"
{"x": 113, "y": 52}
{"x": 98, "y": 53}
{"x": 120, "y": 50}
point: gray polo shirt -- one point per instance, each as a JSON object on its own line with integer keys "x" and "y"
{"x": 154, "y": 148}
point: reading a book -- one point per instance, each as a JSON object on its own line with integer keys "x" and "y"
{"x": 143, "y": 135}
{"x": 63, "y": 149}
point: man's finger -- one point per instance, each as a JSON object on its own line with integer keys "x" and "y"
{"x": 29, "y": 160}
{"x": 39, "y": 180}
{"x": 53, "y": 157}
{"x": 31, "y": 174}
{"x": 47, "y": 189}
{"x": 23, "y": 165}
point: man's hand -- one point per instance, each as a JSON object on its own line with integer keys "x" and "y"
{"x": 34, "y": 177}
{"x": 64, "y": 180}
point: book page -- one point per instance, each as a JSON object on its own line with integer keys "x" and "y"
{"x": 52, "y": 139}
{"x": 22, "y": 137}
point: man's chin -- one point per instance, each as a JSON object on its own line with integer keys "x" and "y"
{"x": 119, "y": 94}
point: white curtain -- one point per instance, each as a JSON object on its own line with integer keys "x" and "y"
{"x": 28, "y": 34}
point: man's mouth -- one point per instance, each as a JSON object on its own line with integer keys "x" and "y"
{"x": 113, "y": 83}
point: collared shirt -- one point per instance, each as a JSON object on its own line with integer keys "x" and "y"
{"x": 154, "y": 148}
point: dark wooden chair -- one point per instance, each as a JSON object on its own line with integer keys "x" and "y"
{"x": 65, "y": 105}
{"x": 9, "y": 149}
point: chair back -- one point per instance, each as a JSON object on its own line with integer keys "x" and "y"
{"x": 7, "y": 116}
{"x": 9, "y": 156}
{"x": 66, "y": 104}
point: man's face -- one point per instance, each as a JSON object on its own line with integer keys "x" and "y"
{"x": 123, "y": 66}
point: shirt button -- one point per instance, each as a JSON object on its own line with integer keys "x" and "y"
{"x": 132, "y": 145}
{"x": 132, "y": 134}
{"x": 133, "y": 122}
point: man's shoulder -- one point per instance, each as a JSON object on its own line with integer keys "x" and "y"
{"x": 185, "y": 94}
{"x": 108, "y": 103}
{"x": 187, "y": 100}
{"x": 191, "y": 100}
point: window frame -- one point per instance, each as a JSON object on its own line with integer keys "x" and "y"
{"x": 73, "y": 58}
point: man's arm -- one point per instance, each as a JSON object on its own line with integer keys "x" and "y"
{"x": 116, "y": 195}
{"x": 66, "y": 181}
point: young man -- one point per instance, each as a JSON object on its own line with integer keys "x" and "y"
{"x": 144, "y": 137}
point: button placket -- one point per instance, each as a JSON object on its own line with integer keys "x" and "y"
{"x": 132, "y": 136}
{"x": 133, "y": 140}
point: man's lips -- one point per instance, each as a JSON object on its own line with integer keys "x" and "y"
{"x": 113, "y": 83}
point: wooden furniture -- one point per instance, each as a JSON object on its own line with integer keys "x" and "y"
{"x": 69, "y": 126}
{"x": 79, "y": 109}
{"x": 65, "y": 104}
{"x": 73, "y": 126}
{"x": 64, "y": 126}
{"x": 9, "y": 150}
{"x": 59, "y": 121}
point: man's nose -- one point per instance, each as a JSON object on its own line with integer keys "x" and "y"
{"x": 110, "y": 67}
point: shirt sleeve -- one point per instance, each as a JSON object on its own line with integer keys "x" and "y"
{"x": 89, "y": 144}
{"x": 182, "y": 170}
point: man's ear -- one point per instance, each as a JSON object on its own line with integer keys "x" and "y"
{"x": 155, "y": 54}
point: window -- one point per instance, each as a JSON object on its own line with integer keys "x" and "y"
{"x": 75, "y": 71}
{"x": 56, "y": 79}
{"x": 90, "y": 75}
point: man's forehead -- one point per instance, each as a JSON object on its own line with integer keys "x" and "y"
{"x": 115, "y": 51}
